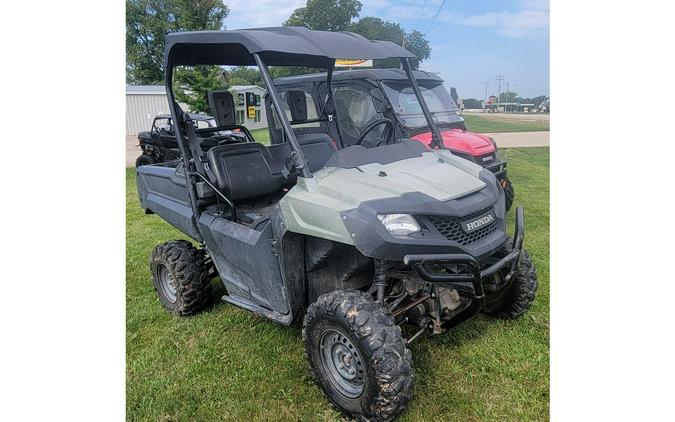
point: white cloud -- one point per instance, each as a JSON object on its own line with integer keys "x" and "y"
{"x": 519, "y": 24}
{"x": 259, "y": 13}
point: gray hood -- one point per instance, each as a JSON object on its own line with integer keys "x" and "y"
{"x": 314, "y": 205}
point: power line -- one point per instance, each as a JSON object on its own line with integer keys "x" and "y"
{"x": 447, "y": 12}
{"x": 421, "y": 13}
{"x": 435, "y": 17}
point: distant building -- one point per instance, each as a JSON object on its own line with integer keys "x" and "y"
{"x": 144, "y": 102}
{"x": 251, "y": 114}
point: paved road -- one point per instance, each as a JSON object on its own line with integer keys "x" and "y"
{"x": 133, "y": 150}
{"x": 523, "y": 117}
{"x": 504, "y": 140}
{"x": 521, "y": 139}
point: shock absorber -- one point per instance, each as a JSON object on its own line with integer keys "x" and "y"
{"x": 381, "y": 280}
{"x": 416, "y": 314}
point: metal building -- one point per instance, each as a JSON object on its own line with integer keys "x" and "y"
{"x": 144, "y": 102}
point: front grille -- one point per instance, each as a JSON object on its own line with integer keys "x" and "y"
{"x": 486, "y": 159}
{"x": 451, "y": 229}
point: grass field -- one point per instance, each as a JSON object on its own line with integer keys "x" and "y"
{"x": 228, "y": 364}
{"x": 482, "y": 124}
{"x": 261, "y": 135}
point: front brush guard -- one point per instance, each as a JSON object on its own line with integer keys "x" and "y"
{"x": 498, "y": 167}
{"x": 470, "y": 283}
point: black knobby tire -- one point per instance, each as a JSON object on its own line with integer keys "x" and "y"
{"x": 144, "y": 160}
{"x": 383, "y": 360}
{"x": 520, "y": 295}
{"x": 180, "y": 265}
{"x": 508, "y": 192}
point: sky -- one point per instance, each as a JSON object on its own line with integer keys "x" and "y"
{"x": 471, "y": 41}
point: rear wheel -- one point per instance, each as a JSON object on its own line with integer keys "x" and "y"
{"x": 144, "y": 160}
{"x": 181, "y": 276}
{"x": 508, "y": 191}
{"x": 358, "y": 356}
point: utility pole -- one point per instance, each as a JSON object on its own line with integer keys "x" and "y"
{"x": 508, "y": 91}
{"x": 507, "y": 97}
{"x": 499, "y": 78}
{"x": 485, "y": 96}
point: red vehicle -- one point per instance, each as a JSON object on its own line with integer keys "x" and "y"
{"x": 371, "y": 104}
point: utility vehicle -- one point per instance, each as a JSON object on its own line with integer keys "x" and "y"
{"x": 364, "y": 97}
{"x": 159, "y": 143}
{"x": 368, "y": 248}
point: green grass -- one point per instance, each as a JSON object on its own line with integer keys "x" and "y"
{"x": 228, "y": 364}
{"x": 473, "y": 123}
{"x": 482, "y": 124}
{"x": 261, "y": 135}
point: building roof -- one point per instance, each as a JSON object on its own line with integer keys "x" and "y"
{"x": 246, "y": 87}
{"x": 146, "y": 89}
{"x": 281, "y": 46}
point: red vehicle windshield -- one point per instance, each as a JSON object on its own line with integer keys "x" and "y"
{"x": 408, "y": 110}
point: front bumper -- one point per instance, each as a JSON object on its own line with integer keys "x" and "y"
{"x": 472, "y": 283}
{"x": 498, "y": 167}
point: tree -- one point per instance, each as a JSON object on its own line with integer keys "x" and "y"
{"x": 244, "y": 75}
{"x": 472, "y": 103}
{"x": 192, "y": 86}
{"x": 148, "y": 22}
{"x": 337, "y": 15}
{"x": 419, "y": 46}
{"x": 325, "y": 15}
{"x": 503, "y": 98}
{"x": 377, "y": 29}
{"x": 198, "y": 15}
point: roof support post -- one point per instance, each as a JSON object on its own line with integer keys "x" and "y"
{"x": 436, "y": 139}
{"x": 329, "y": 84}
{"x": 183, "y": 145}
{"x": 300, "y": 160}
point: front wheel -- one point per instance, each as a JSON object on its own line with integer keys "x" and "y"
{"x": 508, "y": 192}
{"x": 358, "y": 356}
{"x": 519, "y": 296}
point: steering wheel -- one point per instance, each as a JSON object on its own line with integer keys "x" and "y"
{"x": 389, "y": 130}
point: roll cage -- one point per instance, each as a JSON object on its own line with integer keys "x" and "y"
{"x": 378, "y": 85}
{"x": 263, "y": 47}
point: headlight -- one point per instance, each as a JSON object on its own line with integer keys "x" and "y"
{"x": 399, "y": 224}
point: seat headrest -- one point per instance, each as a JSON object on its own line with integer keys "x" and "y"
{"x": 222, "y": 107}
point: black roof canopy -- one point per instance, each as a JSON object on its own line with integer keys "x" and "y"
{"x": 282, "y": 46}
{"x": 370, "y": 74}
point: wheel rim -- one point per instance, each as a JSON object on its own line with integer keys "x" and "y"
{"x": 342, "y": 363}
{"x": 167, "y": 283}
